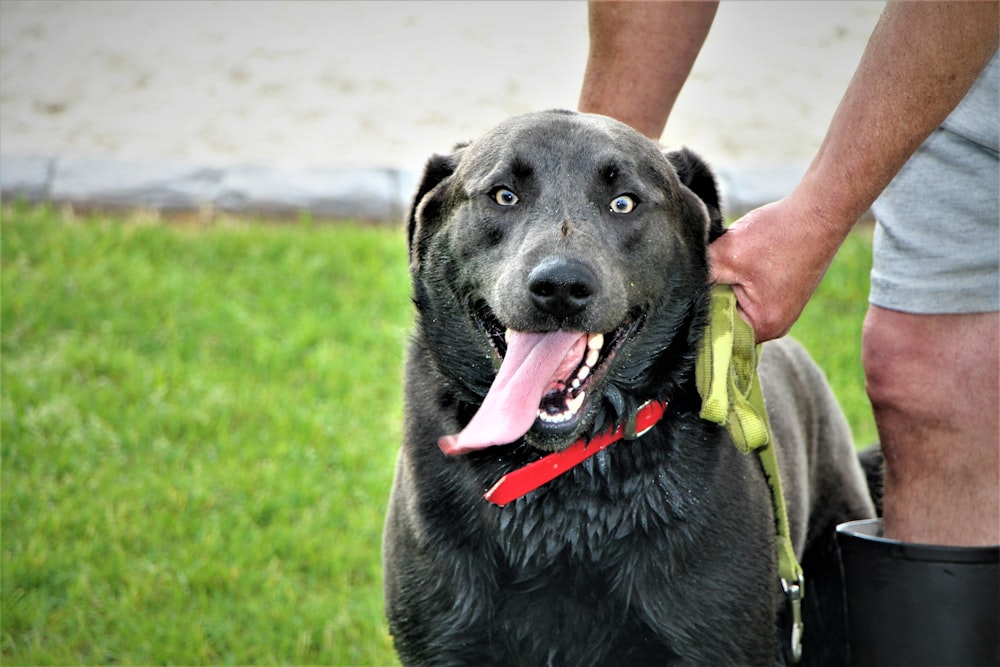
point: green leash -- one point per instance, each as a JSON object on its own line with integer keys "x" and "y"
{"x": 726, "y": 373}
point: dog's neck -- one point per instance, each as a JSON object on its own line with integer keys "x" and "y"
{"x": 530, "y": 477}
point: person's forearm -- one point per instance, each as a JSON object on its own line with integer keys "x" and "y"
{"x": 919, "y": 63}
{"x": 640, "y": 55}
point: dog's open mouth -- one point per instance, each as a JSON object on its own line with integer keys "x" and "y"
{"x": 542, "y": 385}
{"x": 562, "y": 401}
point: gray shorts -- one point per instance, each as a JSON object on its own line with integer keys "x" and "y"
{"x": 937, "y": 235}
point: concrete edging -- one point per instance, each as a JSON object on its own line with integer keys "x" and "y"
{"x": 370, "y": 194}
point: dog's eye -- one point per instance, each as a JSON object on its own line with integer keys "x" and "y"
{"x": 622, "y": 204}
{"x": 504, "y": 197}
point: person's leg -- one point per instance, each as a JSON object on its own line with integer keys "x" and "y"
{"x": 933, "y": 384}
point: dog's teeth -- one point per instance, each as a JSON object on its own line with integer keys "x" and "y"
{"x": 581, "y": 375}
{"x": 592, "y": 357}
{"x": 573, "y": 406}
{"x": 552, "y": 419}
{"x": 596, "y": 342}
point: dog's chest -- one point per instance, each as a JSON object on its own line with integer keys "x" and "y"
{"x": 611, "y": 504}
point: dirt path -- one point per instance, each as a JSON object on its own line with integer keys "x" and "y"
{"x": 386, "y": 83}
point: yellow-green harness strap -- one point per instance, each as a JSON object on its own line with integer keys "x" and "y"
{"x": 726, "y": 374}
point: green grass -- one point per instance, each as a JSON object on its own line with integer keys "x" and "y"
{"x": 199, "y": 430}
{"x": 830, "y": 328}
{"x": 199, "y": 426}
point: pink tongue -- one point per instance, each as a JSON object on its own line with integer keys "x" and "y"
{"x": 532, "y": 363}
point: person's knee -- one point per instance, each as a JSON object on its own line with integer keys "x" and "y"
{"x": 934, "y": 374}
{"x": 895, "y": 365}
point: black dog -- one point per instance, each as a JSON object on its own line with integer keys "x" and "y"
{"x": 561, "y": 280}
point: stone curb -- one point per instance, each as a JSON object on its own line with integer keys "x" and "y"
{"x": 378, "y": 195}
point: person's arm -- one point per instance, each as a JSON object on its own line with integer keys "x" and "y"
{"x": 640, "y": 56}
{"x": 920, "y": 61}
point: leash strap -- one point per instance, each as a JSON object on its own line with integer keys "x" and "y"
{"x": 726, "y": 374}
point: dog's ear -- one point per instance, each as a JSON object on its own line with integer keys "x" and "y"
{"x": 697, "y": 176}
{"x": 437, "y": 169}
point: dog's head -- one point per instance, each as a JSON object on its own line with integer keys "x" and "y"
{"x": 560, "y": 272}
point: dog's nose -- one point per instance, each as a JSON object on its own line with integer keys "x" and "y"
{"x": 562, "y": 287}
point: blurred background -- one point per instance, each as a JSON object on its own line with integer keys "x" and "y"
{"x": 387, "y": 83}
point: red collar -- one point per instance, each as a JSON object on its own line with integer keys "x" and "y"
{"x": 520, "y": 482}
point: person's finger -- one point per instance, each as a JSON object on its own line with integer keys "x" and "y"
{"x": 720, "y": 261}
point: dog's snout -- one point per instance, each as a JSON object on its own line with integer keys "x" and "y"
{"x": 562, "y": 287}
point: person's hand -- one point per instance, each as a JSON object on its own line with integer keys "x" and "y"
{"x": 774, "y": 257}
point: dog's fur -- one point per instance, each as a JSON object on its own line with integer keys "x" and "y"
{"x": 655, "y": 551}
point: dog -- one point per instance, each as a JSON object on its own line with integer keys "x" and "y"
{"x": 560, "y": 280}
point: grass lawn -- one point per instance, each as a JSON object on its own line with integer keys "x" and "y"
{"x": 199, "y": 425}
{"x": 830, "y": 328}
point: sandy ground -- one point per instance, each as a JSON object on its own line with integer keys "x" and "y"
{"x": 386, "y": 83}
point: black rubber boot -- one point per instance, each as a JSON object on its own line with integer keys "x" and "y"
{"x": 918, "y": 604}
